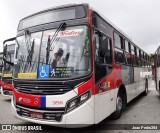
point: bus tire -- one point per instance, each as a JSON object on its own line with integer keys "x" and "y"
{"x": 120, "y": 105}
{"x": 158, "y": 87}
{"x": 146, "y": 89}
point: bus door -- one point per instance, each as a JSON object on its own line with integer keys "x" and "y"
{"x": 103, "y": 67}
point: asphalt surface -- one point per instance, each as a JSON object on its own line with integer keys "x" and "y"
{"x": 142, "y": 110}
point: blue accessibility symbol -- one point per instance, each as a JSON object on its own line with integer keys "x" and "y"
{"x": 43, "y": 71}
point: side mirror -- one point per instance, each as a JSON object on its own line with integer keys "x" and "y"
{"x": 5, "y": 50}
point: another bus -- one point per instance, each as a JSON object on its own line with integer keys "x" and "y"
{"x": 73, "y": 66}
{"x": 1, "y": 67}
{"x": 6, "y": 79}
{"x": 156, "y": 69}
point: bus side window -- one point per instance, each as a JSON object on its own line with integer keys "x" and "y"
{"x": 103, "y": 52}
{"x": 119, "y": 56}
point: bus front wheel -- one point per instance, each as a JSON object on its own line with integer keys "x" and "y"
{"x": 120, "y": 105}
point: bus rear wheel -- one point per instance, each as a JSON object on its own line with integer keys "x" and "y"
{"x": 146, "y": 89}
{"x": 120, "y": 106}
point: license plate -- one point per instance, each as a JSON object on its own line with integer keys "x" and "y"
{"x": 36, "y": 115}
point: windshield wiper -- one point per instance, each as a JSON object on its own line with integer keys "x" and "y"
{"x": 30, "y": 48}
{"x": 48, "y": 50}
{"x": 17, "y": 49}
{"x": 27, "y": 40}
{"x": 50, "y": 41}
{"x": 30, "y": 55}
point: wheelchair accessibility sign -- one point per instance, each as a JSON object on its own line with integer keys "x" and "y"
{"x": 43, "y": 71}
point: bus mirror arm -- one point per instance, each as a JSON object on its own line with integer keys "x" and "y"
{"x": 5, "y": 46}
{"x": 5, "y": 51}
{"x": 8, "y": 62}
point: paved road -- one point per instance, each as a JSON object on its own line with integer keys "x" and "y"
{"x": 142, "y": 110}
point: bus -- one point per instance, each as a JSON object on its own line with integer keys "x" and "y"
{"x": 73, "y": 66}
{"x": 1, "y": 66}
{"x": 6, "y": 79}
{"x": 156, "y": 69}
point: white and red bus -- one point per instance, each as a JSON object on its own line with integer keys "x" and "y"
{"x": 1, "y": 67}
{"x": 72, "y": 66}
{"x": 156, "y": 69}
{"x": 7, "y": 69}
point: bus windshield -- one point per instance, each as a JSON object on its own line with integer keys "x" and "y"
{"x": 7, "y": 70}
{"x": 1, "y": 63}
{"x": 63, "y": 54}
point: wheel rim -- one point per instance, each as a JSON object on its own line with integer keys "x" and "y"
{"x": 119, "y": 104}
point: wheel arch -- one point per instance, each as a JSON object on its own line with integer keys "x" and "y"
{"x": 122, "y": 89}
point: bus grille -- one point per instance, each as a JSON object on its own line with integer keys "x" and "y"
{"x": 53, "y": 115}
{"x": 7, "y": 80}
{"x": 42, "y": 89}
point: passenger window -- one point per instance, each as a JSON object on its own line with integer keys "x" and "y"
{"x": 118, "y": 41}
{"x": 140, "y": 53}
{"x": 137, "y": 52}
{"x": 104, "y": 54}
{"x": 129, "y": 58}
{"x": 129, "y": 45}
{"x": 132, "y": 49}
{"x": 126, "y": 46}
{"x": 145, "y": 56}
{"x": 119, "y": 56}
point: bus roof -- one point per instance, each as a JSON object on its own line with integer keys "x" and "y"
{"x": 54, "y": 8}
{"x": 116, "y": 28}
{"x": 86, "y": 4}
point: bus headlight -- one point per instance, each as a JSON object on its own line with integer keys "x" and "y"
{"x": 74, "y": 103}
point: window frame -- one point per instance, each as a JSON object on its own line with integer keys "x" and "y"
{"x": 110, "y": 66}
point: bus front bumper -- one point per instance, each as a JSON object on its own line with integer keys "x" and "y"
{"x": 5, "y": 92}
{"x": 82, "y": 116}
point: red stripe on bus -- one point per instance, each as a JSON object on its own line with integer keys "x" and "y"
{"x": 86, "y": 86}
{"x": 27, "y": 99}
{"x": 7, "y": 86}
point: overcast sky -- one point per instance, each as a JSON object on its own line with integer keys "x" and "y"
{"x": 139, "y": 19}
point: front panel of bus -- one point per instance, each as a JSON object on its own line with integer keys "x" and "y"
{"x": 53, "y": 78}
{"x": 1, "y": 67}
{"x": 7, "y": 88}
{"x": 157, "y": 70}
